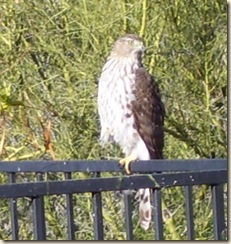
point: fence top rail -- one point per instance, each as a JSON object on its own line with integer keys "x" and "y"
{"x": 155, "y": 181}
{"x": 162, "y": 165}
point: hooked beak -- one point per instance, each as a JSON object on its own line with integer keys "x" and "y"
{"x": 143, "y": 48}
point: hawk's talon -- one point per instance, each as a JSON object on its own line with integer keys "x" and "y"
{"x": 120, "y": 165}
{"x": 125, "y": 162}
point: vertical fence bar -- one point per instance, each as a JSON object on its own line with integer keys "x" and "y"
{"x": 128, "y": 214}
{"x": 189, "y": 212}
{"x": 97, "y": 213}
{"x": 218, "y": 212}
{"x": 157, "y": 214}
{"x": 70, "y": 213}
{"x": 39, "y": 215}
{"x": 13, "y": 210}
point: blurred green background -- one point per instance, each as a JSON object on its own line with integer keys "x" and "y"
{"x": 52, "y": 53}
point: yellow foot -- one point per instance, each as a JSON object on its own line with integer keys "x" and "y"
{"x": 126, "y": 161}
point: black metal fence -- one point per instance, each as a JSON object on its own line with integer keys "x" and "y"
{"x": 156, "y": 175}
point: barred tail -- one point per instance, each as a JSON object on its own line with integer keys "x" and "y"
{"x": 145, "y": 210}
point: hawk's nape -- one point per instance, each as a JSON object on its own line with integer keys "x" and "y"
{"x": 131, "y": 111}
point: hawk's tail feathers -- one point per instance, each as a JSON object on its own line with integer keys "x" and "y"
{"x": 145, "y": 210}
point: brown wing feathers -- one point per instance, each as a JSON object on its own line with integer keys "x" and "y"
{"x": 149, "y": 113}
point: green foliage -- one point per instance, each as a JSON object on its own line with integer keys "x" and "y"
{"x": 52, "y": 53}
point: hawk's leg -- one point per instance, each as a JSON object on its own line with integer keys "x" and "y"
{"x": 126, "y": 162}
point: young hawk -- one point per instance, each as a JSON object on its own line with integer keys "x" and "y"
{"x": 131, "y": 111}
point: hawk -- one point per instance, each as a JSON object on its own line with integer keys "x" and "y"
{"x": 131, "y": 111}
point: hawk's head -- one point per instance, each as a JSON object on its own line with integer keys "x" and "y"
{"x": 130, "y": 45}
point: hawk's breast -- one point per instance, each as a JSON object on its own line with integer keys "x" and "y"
{"x": 115, "y": 96}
